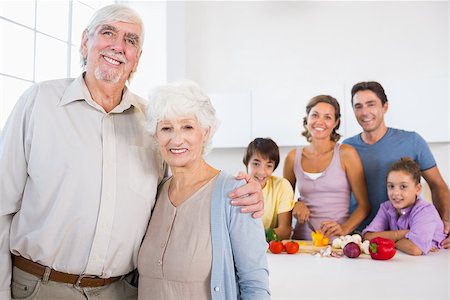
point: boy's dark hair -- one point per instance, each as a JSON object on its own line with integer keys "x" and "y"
{"x": 337, "y": 115}
{"x": 373, "y": 86}
{"x": 266, "y": 147}
{"x": 407, "y": 165}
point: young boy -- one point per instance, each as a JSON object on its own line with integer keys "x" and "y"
{"x": 261, "y": 159}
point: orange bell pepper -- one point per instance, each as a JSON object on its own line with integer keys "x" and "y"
{"x": 318, "y": 239}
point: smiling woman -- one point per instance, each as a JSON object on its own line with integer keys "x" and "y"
{"x": 196, "y": 242}
{"x": 325, "y": 173}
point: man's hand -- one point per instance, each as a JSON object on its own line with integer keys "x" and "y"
{"x": 249, "y": 196}
{"x": 446, "y": 243}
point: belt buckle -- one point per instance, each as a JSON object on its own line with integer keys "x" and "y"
{"x": 77, "y": 284}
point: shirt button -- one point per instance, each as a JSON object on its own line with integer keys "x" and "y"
{"x": 216, "y": 289}
{"x": 159, "y": 262}
{"x": 162, "y": 245}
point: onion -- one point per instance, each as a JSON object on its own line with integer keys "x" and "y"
{"x": 352, "y": 250}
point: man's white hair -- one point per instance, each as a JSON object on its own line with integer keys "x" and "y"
{"x": 178, "y": 99}
{"x": 108, "y": 14}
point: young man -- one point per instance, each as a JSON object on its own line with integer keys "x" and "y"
{"x": 379, "y": 146}
{"x": 78, "y": 175}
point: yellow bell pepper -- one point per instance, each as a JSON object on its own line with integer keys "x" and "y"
{"x": 318, "y": 239}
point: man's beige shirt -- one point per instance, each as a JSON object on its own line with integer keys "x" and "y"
{"x": 77, "y": 184}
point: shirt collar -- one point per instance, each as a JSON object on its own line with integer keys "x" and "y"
{"x": 78, "y": 90}
{"x": 129, "y": 99}
{"x": 408, "y": 210}
{"x": 403, "y": 211}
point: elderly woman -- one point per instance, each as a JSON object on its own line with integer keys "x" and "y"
{"x": 325, "y": 173}
{"x": 197, "y": 246}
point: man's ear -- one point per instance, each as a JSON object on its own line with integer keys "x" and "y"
{"x": 83, "y": 46}
{"x": 386, "y": 107}
{"x": 138, "y": 59}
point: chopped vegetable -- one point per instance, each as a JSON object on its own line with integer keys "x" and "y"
{"x": 319, "y": 239}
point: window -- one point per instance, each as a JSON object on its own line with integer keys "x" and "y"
{"x": 40, "y": 41}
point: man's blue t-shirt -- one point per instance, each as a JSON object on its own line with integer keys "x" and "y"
{"x": 377, "y": 158}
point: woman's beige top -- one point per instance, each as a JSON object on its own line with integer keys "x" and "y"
{"x": 176, "y": 255}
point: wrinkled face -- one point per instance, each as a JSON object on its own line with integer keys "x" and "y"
{"x": 260, "y": 168}
{"x": 369, "y": 111}
{"x": 321, "y": 121}
{"x": 181, "y": 140}
{"x": 112, "y": 51}
{"x": 402, "y": 189}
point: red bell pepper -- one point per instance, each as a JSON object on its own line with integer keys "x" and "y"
{"x": 381, "y": 248}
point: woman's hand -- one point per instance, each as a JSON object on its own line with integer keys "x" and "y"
{"x": 331, "y": 228}
{"x": 301, "y": 212}
{"x": 249, "y": 196}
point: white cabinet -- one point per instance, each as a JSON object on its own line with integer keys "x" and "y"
{"x": 278, "y": 113}
{"x": 414, "y": 105}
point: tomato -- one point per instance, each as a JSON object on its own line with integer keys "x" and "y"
{"x": 276, "y": 247}
{"x": 291, "y": 247}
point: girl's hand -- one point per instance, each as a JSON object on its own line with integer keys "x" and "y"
{"x": 331, "y": 228}
{"x": 301, "y": 212}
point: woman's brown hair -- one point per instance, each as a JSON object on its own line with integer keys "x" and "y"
{"x": 337, "y": 115}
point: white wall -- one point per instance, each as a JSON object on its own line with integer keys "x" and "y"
{"x": 275, "y": 44}
{"x": 235, "y": 47}
{"x": 152, "y": 69}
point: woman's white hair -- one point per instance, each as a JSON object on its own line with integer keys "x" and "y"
{"x": 181, "y": 98}
{"x": 113, "y": 13}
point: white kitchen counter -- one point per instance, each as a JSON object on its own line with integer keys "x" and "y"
{"x": 304, "y": 276}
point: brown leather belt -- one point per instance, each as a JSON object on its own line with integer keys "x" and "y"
{"x": 79, "y": 280}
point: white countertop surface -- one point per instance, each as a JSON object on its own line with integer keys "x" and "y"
{"x": 304, "y": 276}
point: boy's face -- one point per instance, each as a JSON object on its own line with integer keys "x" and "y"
{"x": 260, "y": 168}
{"x": 402, "y": 189}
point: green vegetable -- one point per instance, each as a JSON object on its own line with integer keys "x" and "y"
{"x": 271, "y": 235}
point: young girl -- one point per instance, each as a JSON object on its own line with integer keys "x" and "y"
{"x": 261, "y": 159}
{"x": 412, "y": 223}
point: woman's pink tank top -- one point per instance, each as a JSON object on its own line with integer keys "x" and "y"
{"x": 327, "y": 197}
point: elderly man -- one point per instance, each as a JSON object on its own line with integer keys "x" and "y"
{"x": 78, "y": 176}
{"x": 379, "y": 146}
